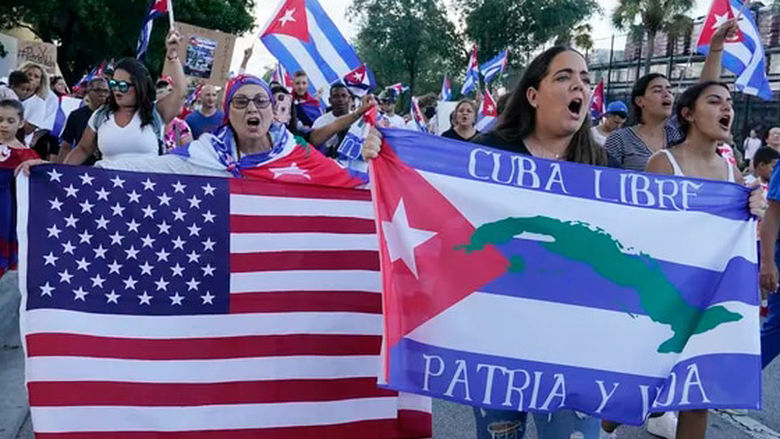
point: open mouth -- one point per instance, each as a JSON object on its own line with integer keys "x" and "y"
{"x": 666, "y": 103}
{"x": 253, "y": 122}
{"x": 575, "y": 106}
{"x": 725, "y": 122}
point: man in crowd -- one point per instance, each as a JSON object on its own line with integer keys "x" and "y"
{"x": 340, "y": 104}
{"x": 97, "y": 93}
{"x": 751, "y": 145}
{"x": 773, "y": 138}
{"x": 209, "y": 116}
{"x": 307, "y": 107}
{"x": 387, "y": 105}
{"x": 612, "y": 119}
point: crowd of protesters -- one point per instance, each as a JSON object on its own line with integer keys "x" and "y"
{"x": 130, "y": 121}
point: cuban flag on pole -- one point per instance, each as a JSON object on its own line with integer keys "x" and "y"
{"x": 743, "y": 55}
{"x": 302, "y": 37}
{"x": 157, "y": 8}
{"x": 472, "y": 74}
{"x": 360, "y": 80}
{"x": 488, "y": 112}
{"x": 281, "y": 76}
{"x": 495, "y": 66}
{"x": 397, "y": 88}
{"x": 417, "y": 116}
{"x": 597, "y": 106}
{"x": 446, "y": 89}
{"x": 491, "y": 304}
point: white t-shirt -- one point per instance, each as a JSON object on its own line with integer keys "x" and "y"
{"x": 34, "y": 110}
{"x": 597, "y": 136}
{"x": 321, "y": 121}
{"x": 130, "y": 141}
{"x": 751, "y": 146}
{"x": 395, "y": 121}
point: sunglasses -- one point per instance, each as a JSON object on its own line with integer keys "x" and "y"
{"x": 240, "y": 102}
{"x": 280, "y": 97}
{"x": 122, "y": 86}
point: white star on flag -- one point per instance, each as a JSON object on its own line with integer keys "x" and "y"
{"x": 46, "y": 289}
{"x": 148, "y": 184}
{"x": 56, "y": 204}
{"x": 80, "y": 294}
{"x": 176, "y": 299}
{"x": 86, "y": 179}
{"x": 208, "y": 189}
{"x": 403, "y": 239}
{"x": 288, "y": 16}
{"x": 112, "y": 297}
{"x": 290, "y": 170}
{"x": 54, "y": 175}
{"x": 208, "y": 298}
{"x": 145, "y": 299}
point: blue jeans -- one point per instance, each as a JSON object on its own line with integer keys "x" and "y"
{"x": 566, "y": 424}
{"x": 499, "y": 424}
{"x": 770, "y": 331}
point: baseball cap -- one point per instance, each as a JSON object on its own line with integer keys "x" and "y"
{"x": 617, "y": 107}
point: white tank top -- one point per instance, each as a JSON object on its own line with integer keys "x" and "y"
{"x": 678, "y": 171}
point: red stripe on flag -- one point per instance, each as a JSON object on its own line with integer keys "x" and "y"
{"x": 307, "y": 301}
{"x": 299, "y": 224}
{"x": 250, "y": 187}
{"x": 73, "y": 345}
{"x": 376, "y": 429}
{"x": 304, "y": 260}
{"x": 101, "y": 393}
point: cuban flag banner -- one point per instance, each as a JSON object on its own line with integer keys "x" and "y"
{"x": 417, "y": 116}
{"x": 742, "y": 55}
{"x": 157, "y": 8}
{"x": 281, "y": 76}
{"x": 597, "y": 105}
{"x": 360, "y": 80}
{"x": 495, "y": 66}
{"x": 446, "y": 89}
{"x": 302, "y": 37}
{"x": 488, "y": 112}
{"x": 472, "y": 74}
{"x": 515, "y": 283}
{"x": 398, "y": 88}
{"x": 66, "y": 106}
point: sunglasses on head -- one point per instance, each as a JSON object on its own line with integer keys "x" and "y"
{"x": 122, "y": 86}
{"x": 240, "y": 102}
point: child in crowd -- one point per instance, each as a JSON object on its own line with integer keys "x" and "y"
{"x": 11, "y": 125}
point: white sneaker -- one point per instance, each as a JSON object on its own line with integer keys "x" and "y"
{"x": 604, "y": 435}
{"x": 663, "y": 426}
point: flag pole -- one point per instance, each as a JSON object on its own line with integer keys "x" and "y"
{"x": 170, "y": 14}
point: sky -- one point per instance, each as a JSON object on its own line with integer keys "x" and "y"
{"x": 262, "y": 59}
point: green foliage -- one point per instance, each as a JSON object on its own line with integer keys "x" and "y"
{"x": 90, "y": 31}
{"x": 409, "y": 41}
{"x": 654, "y": 16}
{"x": 522, "y": 26}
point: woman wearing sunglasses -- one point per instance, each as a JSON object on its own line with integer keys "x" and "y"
{"x": 250, "y": 144}
{"x": 131, "y": 124}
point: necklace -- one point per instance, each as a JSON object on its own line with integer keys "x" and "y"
{"x": 541, "y": 152}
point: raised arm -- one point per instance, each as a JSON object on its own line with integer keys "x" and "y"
{"x": 170, "y": 107}
{"x": 712, "y": 64}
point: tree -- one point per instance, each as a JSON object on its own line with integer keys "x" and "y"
{"x": 521, "y": 25}
{"x": 89, "y": 31}
{"x": 654, "y": 15}
{"x": 579, "y": 35}
{"x": 409, "y": 41}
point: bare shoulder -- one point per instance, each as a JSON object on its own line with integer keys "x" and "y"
{"x": 659, "y": 164}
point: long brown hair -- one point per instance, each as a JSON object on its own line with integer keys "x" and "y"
{"x": 518, "y": 121}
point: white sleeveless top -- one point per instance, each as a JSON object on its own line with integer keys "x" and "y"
{"x": 678, "y": 171}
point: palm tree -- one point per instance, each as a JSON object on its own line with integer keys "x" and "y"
{"x": 582, "y": 38}
{"x": 654, "y": 15}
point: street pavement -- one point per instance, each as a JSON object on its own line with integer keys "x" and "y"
{"x": 450, "y": 421}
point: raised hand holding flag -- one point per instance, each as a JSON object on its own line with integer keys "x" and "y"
{"x": 472, "y": 73}
{"x": 743, "y": 52}
{"x": 446, "y": 89}
{"x": 157, "y": 8}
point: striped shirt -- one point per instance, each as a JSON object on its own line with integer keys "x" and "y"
{"x": 628, "y": 149}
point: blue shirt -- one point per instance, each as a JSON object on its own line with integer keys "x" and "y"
{"x": 200, "y": 124}
{"x": 774, "y": 185}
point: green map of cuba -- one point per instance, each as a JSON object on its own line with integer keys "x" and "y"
{"x": 578, "y": 241}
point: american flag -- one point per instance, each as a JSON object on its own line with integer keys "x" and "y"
{"x": 171, "y": 306}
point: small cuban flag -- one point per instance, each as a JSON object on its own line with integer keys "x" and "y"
{"x": 597, "y": 101}
{"x": 488, "y": 113}
{"x": 446, "y": 89}
{"x": 281, "y": 76}
{"x": 417, "y": 116}
{"x": 472, "y": 74}
{"x": 493, "y": 68}
{"x": 360, "y": 80}
{"x": 397, "y": 88}
{"x": 157, "y": 8}
{"x": 743, "y": 55}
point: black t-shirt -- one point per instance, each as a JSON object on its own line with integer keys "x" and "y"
{"x": 74, "y": 128}
{"x": 452, "y": 134}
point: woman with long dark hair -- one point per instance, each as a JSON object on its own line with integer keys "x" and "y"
{"x": 650, "y": 127}
{"x": 705, "y": 114}
{"x": 132, "y": 123}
